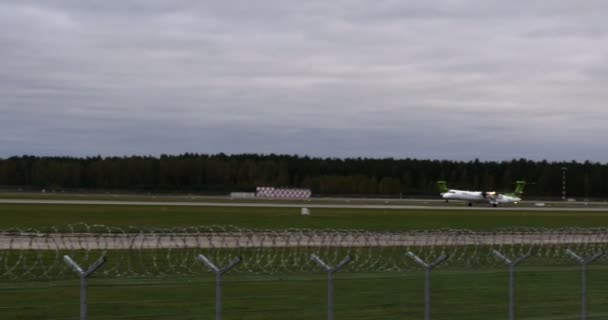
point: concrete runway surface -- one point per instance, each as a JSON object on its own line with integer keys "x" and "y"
{"x": 298, "y": 205}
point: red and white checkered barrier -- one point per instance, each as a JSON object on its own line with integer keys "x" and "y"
{"x": 270, "y": 192}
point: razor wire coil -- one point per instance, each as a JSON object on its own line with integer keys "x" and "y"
{"x": 159, "y": 252}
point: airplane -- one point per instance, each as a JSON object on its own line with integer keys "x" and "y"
{"x": 491, "y": 197}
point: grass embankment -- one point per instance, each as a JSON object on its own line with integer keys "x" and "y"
{"x": 551, "y": 293}
{"x": 44, "y": 215}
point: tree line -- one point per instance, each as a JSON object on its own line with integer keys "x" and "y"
{"x": 220, "y": 173}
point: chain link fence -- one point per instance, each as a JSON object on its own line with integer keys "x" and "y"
{"x": 155, "y": 273}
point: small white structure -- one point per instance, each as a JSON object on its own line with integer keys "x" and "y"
{"x": 305, "y": 212}
{"x": 242, "y": 195}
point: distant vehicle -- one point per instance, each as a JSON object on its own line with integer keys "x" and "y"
{"x": 491, "y": 197}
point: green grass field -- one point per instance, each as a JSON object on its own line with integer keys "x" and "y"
{"x": 543, "y": 291}
{"x": 457, "y": 294}
{"x": 41, "y": 216}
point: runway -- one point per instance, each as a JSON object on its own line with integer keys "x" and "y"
{"x": 300, "y": 205}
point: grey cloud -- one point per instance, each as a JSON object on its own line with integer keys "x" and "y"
{"x": 442, "y": 79}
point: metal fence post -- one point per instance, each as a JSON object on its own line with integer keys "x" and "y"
{"x": 512, "y": 264}
{"x": 427, "y": 279}
{"x": 330, "y": 280}
{"x": 219, "y": 272}
{"x": 584, "y": 262}
{"x": 84, "y": 274}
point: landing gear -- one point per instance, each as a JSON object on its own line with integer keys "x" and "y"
{"x": 470, "y": 204}
{"x": 494, "y": 205}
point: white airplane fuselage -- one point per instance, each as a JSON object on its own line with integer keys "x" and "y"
{"x": 492, "y": 198}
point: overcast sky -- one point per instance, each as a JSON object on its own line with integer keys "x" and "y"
{"x": 487, "y": 79}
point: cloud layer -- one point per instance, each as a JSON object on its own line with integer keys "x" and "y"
{"x": 447, "y": 79}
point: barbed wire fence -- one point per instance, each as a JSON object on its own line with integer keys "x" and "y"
{"x": 133, "y": 251}
{"x": 146, "y": 254}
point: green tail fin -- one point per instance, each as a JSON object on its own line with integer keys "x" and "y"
{"x": 519, "y": 188}
{"x": 443, "y": 186}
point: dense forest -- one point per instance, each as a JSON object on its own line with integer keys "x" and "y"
{"x": 220, "y": 173}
